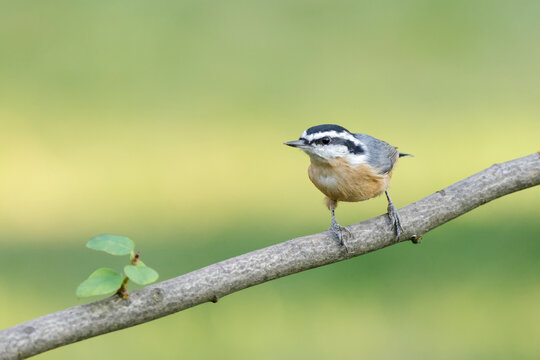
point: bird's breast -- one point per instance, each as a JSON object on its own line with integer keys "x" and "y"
{"x": 340, "y": 181}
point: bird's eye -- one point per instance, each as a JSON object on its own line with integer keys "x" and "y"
{"x": 325, "y": 140}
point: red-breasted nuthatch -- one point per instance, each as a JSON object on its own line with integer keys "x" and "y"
{"x": 349, "y": 167}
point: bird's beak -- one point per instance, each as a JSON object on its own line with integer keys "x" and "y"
{"x": 295, "y": 143}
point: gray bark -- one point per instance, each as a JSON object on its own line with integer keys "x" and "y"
{"x": 215, "y": 281}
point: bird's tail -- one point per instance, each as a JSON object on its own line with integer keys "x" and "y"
{"x": 405, "y": 155}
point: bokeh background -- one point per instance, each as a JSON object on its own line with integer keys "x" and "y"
{"x": 164, "y": 121}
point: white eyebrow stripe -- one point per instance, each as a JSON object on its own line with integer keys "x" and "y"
{"x": 333, "y": 133}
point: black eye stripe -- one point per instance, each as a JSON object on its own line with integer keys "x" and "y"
{"x": 320, "y": 141}
{"x": 352, "y": 146}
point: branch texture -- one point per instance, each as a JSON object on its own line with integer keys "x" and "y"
{"x": 215, "y": 281}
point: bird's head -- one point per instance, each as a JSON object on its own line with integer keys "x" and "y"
{"x": 326, "y": 142}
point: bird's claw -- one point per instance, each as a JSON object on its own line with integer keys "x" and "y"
{"x": 336, "y": 230}
{"x": 395, "y": 220}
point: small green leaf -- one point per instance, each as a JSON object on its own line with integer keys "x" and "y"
{"x": 100, "y": 282}
{"x": 112, "y": 244}
{"x": 141, "y": 274}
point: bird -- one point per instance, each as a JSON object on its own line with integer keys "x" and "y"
{"x": 349, "y": 167}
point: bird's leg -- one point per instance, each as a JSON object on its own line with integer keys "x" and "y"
{"x": 394, "y": 216}
{"x": 336, "y": 228}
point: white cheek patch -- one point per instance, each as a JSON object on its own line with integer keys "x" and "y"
{"x": 331, "y": 151}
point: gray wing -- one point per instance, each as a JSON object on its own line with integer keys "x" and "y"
{"x": 380, "y": 155}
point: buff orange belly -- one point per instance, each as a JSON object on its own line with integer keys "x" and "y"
{"x": 340, "y": 181}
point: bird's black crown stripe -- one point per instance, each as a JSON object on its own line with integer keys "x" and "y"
{"x": 325, "y": 127}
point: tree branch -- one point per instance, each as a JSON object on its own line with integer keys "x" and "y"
{"x": 215, "y": 281}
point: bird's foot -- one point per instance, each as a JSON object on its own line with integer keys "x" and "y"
{"x": 337, "y": 231}
{"x": 395, "y": 220}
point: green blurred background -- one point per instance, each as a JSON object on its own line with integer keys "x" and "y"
{"x": 164, "y": 121}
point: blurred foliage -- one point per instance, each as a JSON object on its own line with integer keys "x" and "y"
{"x": 165, "y": 121}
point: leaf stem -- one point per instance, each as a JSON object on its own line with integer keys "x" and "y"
{"x": 135, "y": 259}
{"x": 122, "y": 291}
